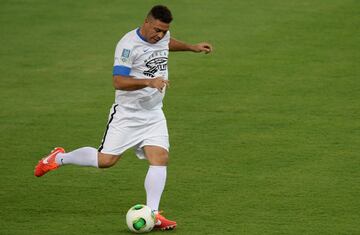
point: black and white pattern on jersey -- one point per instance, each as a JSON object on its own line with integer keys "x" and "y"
{"x": 157, "y": 61}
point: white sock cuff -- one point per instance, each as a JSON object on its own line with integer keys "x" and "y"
{"x": 157, "y": 167}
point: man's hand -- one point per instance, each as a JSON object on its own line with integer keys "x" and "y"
{"x": 202, "y": 47}
{"x": 158, "y": 83}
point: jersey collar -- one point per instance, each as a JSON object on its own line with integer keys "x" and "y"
{"x": 140, "y": 36}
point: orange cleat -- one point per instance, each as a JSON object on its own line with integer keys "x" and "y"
{"x": 163, "y": 223}
{"x": 48, "y": 163}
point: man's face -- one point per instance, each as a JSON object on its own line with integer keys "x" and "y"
{"x": 154, "y": 30}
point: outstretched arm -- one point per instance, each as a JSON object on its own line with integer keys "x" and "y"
{"x": 176, "y": 45}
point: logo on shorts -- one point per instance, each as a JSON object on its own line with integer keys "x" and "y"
{"x": 157, "y": 61}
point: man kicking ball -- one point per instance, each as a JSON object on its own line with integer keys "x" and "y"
{"x": 136, "y": 119}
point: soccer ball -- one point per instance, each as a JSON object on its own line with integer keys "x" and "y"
{"x": 140, "y": 219}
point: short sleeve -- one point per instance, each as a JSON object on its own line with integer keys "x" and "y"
{"x": 123, "y": 59}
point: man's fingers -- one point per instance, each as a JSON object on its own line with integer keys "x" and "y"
{"x": 165, "y": 84}
{"x": 160, "y": 83}
{"x": 204, "y": 47}
{"x": 207, "y": 48}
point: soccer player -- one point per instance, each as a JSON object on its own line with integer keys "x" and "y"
{"x": 136, "y": 119}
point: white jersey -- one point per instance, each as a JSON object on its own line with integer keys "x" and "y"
{"x": 135, "y": 57}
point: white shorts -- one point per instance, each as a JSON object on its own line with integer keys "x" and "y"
{"x": 134, "y": 129}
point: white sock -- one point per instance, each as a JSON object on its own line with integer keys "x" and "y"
{"x": 154, "y": 185}
{"x": 86, "y": 156}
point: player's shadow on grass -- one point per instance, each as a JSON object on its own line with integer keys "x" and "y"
{"x": 126, "y": 231}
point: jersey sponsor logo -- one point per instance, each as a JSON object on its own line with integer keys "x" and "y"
{"x": 125, "y": 54}
{"x": 157, "y": 61}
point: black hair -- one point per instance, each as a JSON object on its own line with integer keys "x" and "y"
{"x": 162, "y": 13}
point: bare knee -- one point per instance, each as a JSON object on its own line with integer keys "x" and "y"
{"x": 156, "y": 156}
{"x": 107, "y": 160}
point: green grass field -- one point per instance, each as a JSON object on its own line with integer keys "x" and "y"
{"x": 265, "y": 132}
